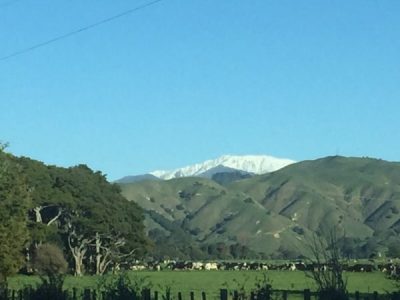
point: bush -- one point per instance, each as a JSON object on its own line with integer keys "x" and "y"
{"x": 3, "y": 290}
{"x": 179, "y": 207}
{"x": 51, "y": 288}
{"x": 248, "y": 200}
{"x": 51, "y": 265}
{"x": 49, "y": 260}
{"x": 262, "y": 288}
{"x": 122, "y": 287}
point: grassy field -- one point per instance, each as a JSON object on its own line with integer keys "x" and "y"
{"x": 212, "y": 281}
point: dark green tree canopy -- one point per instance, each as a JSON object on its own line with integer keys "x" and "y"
{"x": 49, "y": 204}
{"x": 14, "y": 203}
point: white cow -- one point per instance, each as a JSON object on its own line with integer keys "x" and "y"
{"x": 197, "y": 266}
{"x": 211, "y": 266}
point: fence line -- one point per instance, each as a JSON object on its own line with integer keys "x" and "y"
{"x": 146, "y": 294}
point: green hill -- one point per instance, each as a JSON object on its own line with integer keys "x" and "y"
{"x": 75, "y": 209}
{"x": 276, "y": 213}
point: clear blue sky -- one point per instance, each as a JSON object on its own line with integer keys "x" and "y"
{"x": 184, "y": 81}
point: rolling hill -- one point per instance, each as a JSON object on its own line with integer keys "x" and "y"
{"x": 276, "y": 213}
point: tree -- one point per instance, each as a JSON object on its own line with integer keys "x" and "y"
{"x": 49, "y": 261}
{"x": 108, "y": 252}
{"x": 101, "y": 227}
{"x": 14, "y": 202}
{"x": 327, "y": 270}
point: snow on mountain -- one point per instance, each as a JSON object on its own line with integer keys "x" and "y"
{"x": 257, "y": 164}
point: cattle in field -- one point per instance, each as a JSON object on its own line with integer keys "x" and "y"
{"x": 319, "y": 267}
{"x": 394, "y": 271}
{"x": 211, "y": 266}
{"x": 256, "y": 266}
{"x": 264, "y": 267}
{"x": 300, "y": 266}
{"x": 197, "y": 266}
{"x": 361, "y": 268}
{"x": 230, "y": 266}
{"x": 139, "y": 267}
{"x": 154, "y": 266}
{"x": 189, "y": 265}
{"x": 391, "y": 269}
{"x": 180, "y": 265}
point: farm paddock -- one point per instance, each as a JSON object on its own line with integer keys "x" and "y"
{"x": 211, "y": 282}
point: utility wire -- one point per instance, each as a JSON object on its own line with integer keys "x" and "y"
{"x": 88, "y": 27}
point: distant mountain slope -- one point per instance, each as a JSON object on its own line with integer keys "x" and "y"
{"x": 257, "y": 164}
{"x": 276, "y": 213}
{"x": 211, "y": 213}
{"x": 222, "y": 169}
{"x": 225, "y": 178}
{"x": 135, "y": 178}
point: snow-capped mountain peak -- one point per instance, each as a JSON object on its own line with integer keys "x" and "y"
{"x": 257, "y": 164}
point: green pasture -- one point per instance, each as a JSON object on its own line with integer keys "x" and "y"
{"x": 212, "y": 281}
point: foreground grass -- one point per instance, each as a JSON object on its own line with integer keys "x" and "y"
{"x": 212, "y": 281}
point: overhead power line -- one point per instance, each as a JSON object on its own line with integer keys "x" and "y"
{"x": 82, "y": 29}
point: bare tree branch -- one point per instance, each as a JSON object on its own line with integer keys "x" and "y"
{"x": 327, "y": 269}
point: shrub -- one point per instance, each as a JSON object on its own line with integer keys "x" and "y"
{"x": 51, "y": 265}
{"x": 3, "y": 289}
{"x": 49, "y": 260}
{"x": 51, "y": 288}
{"x": 328, "y": 274}
{"x": 262, "y": 288}
{"x": 248, "y": 200}
{"x": 122, "y": 287}
{"x": 179, "y": 207}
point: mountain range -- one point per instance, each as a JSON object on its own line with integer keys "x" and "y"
{"x": 276, "y": 214}
{"x": 244, "y": 164}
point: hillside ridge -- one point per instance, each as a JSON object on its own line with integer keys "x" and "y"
{"x": 276, "y": 213}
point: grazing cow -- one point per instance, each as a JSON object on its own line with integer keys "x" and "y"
{"x": 391, "y": 269}
{"x": 255, "y": 266}
{"x": 154, "y": 266}
{"x": 300, "y": 266}
{"x": 179, "y": 265}
{"x": 197, "y": 266}
{"x": 170, "y": 264}
{"x": 243, "y": 266}
{"x": 319, "y": 267}
{"x": 361, "y": 268}
{"x": 138, "y": 267}
{"x": 230, "y": 266}
{"x": 394, "y": 271}
{"x": 211, "y": 266}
